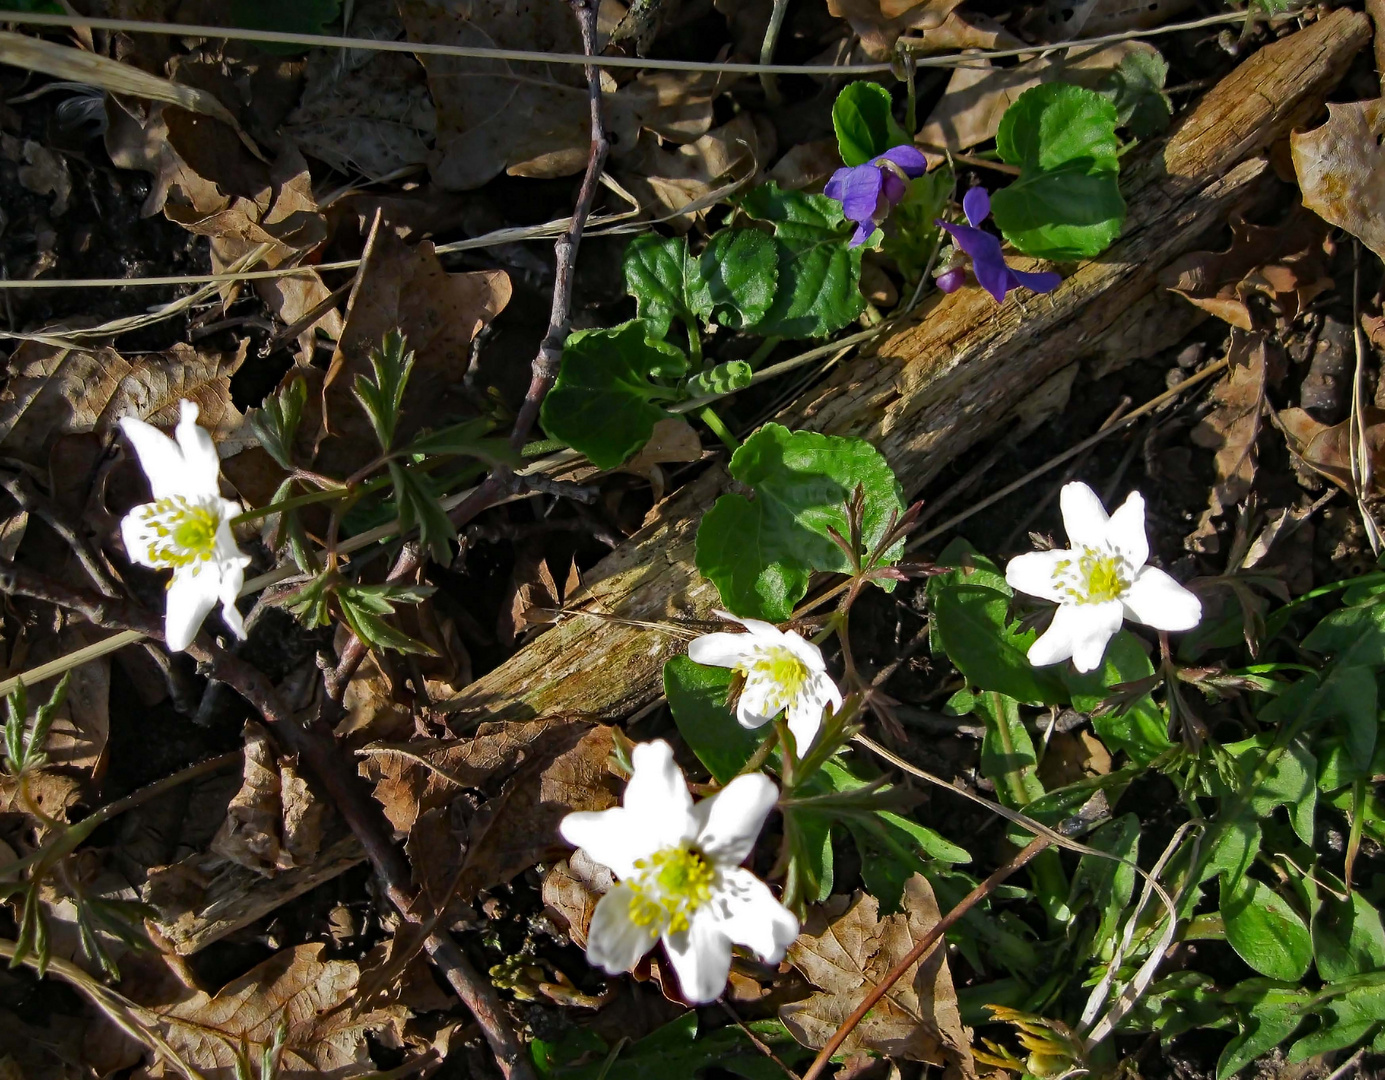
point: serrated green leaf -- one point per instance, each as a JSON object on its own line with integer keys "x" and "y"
{"x": 1066, "y": 203}
{"x": 1136, "y": 88}
{"x": 818, "y": 288}
{"x": 697, "y": 699}
{"x": 1110, "y": 884}
{"x": 603, "y": 402}
{"x": 418, "y": 506}
{"x": 665, "y": 281}
{"x": 1142, "y": 729}
{"x": 723, "y": 379}
{"x": 864, "y": 122}
{"x": 739, "y": 277}
{"x": 468, "y": 439}
{"x": 733, "y": 280}
{"x": 365, "y": 610}
{"x": 1266, "y": 932}
{"x": 760, "y": 552}
{"x": 382, "y": 397}
{"x": 276, "y": 422}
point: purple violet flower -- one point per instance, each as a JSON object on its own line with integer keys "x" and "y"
{"x": 868, "y": 192}
{"x": 987, "y": 262}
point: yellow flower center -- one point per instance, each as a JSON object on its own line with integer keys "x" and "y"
{"x": 1095, "y": 577}
{"x": 669, "y": 886}
{"x": 181, "y": 533}
{"x": 778, "y": 666}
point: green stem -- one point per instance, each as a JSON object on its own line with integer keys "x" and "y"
{"x": 694, "y": 344}
{"x": 719, "y": 429}
{"x": 760, "y": 355}
{"x": 543, "y": 446}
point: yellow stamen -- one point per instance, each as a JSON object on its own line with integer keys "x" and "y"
{"x": 778, "y": 666}
{"x": 670, "y": 885}
{"x": 181, "y": 533}
{"x": 1099, "y": 576}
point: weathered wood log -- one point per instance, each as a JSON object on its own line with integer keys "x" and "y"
{"x": 931, "y": 390}
{"x": 925, "y": 394}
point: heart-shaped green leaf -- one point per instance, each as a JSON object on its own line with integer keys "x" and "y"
{"x": 864, "y": 123}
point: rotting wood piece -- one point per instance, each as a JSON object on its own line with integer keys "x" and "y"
{"x": 933, "y": 389}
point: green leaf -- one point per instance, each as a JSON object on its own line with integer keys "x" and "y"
{"x": 808, "y": 836}
{"x": 1111, "y": 884}
{"x": 723, "y": 379}
{"x": 818, "y": 274}
{"x": 1232, "y": 845}
{"x": 739, "y": 275}
{"x": 382, "y": 398}
{"x": 1136, "y": 88}
{"x": 970, "y": 623}
{"x": 1347, "y": 938}
{"x": 760, "y": 552}
{"x": 603, "y": 402}
{"x": 1267, "y": 1026}
{"x": 864, "y": 123}
{"x": 1007, "y": 752}
{"x": 286, "y": 16}
{"x": 1142, "y": 730}
{"x": 1347, "y": 694}
{"x": 1343, "y": 1022}
{"x": 275, "y": 423}
{"x": 663, "y": 278}
{"x": 1066, "y": 203}
{"x": 734, "y": 279}
{"x": 697, "y": 699}
{"x": 1266, "y": 932}
{"x": 676, "y": 1052}
{"x": 419, "y": 506}
{"x": 468, "y": 439}
{"x": 1290, "y": 781}
{"x": 911, "y": 231}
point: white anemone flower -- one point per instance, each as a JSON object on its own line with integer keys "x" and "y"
{"x": 1100, "y": 581}
{"x": 186, "y": 528}
{"x": 680, "y": 875}
{"x": 783, "y": 673}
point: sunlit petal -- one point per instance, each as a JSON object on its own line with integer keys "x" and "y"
{"x": 1157, "y": 600}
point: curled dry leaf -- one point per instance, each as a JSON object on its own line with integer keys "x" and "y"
{"x": 846, "y": 948}
{"x": 40, "y": 170}
{"x": 1326, "y": 449}
{"x": 441, "y": 313}
{"x": 1233, "y": 426}
{"x": 881, "y": 23}
{"x": 571, "y": 889}
{"x": 310, "y": 994}
{"x": 1063, "y": 20}
{"x": 1284, "y": 265}
{"x": 1341, "y": 169}
{"x": 53, "y": 391}
{"x": 978, "y": 93}
{"x": 674, "y": 440}
{"x": 273, "y": 822}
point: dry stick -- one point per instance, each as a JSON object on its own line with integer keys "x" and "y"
{"x": 545, "y": 365}
{"x": 22, "y": 490}
{"x": 316, "y": 746}
{"x": 924, "y": 945}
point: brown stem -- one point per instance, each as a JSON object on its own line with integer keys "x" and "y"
{"x": 925, "y": 943}
{"x": 316, "y": 747}
{"x": 550, "y": 354}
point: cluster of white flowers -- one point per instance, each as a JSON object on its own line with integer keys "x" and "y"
{"x": 678, "y": 862}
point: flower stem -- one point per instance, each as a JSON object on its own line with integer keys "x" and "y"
{"x": 719, "y": 428}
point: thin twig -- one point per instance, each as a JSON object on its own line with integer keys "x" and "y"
{"x": 316, "y": 747}
{"x": 546, "y": 362}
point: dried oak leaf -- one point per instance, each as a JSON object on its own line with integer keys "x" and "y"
{"x": 571, "y": 890}
{"x": 978, "y": 93}
{"x": 405, "y": 288}
{"x": 880, "y": 23}
{"x": 52, "y": 391}
{"x": 1326, "y": 449}
{"x": 846, "y": 949}
{"x": 312, "y": 995}
{"x": 273, "y": 822}
{"x": 1286, "y": 265}
{"x": 1341, "y": 169}
{"x": 1063, "y": 20}
{"x": 1233, "y": 426}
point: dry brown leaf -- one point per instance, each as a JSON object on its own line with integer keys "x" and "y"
{"x": 846, "y": 948}
{"x": 1232, "y": 428}
{"x": 1341, "y": 169}
{"x": 310, "y": 994}
{"x": 273, "y": 822}
{"x": 978, "y": 93}
{"x": 571, "y": 890}
{"x": 405, "y": 287}
{"x": 54, "y": 391}
{"x": 673, "y": 440}
{"x": 40, "y": 170}
{"x": 881, "y": 23}
{"x": 1374, "y": 326}
{"x": 1285, "y": 265}
{"x": 1063, "y": 20}
{"x": 1326, "y": 449}
{"x": 534, "y": 596}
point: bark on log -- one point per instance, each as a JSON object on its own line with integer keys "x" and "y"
{"x": 930, "y": 391}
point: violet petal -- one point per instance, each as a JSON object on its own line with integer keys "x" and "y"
{"x": 986, "y": 260}
{"x": 951, "y": 280}
{"x": 862, "y": 234}
{"x": 895, "y": 186}
{"x": 860, "y": 191}
{"x": 909, "y": 158}
{"x": 1040, "y": 282}
{"x": 976, "y": 204}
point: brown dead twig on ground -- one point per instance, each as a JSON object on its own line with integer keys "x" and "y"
{"x": 316, "y": 746}
{"x": 502, "y": 481}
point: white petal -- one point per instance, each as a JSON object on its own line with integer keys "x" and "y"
{"x": 767, "y": 632}
{"x": 752, "y": 709}
{"x": 1125, "y": 532}
{"x": 232, "y": 578}
{"x": 1034, "y": 572}
{"x": 614, "y": 942}
{"x": 730, "y": 821}
{"x": 1156, "y": 600}
{"x": 751, "y": 916}
{"x": 137, "y": 535}
{"x": 610, "y": 837}
{"x": 158, "y": 455}
{"x": 701, "y": 957}
{"x": 806, "y": 712}
{"x": 806, "y": 651}
{"x": 1100, "y": 622}
{"x": 657, "y": 796}
{"x": 720, "y": 650}
{"x": 1084, "y": 517}
{"x": 190, "y": 596}
{"x": 201, "y": 465}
